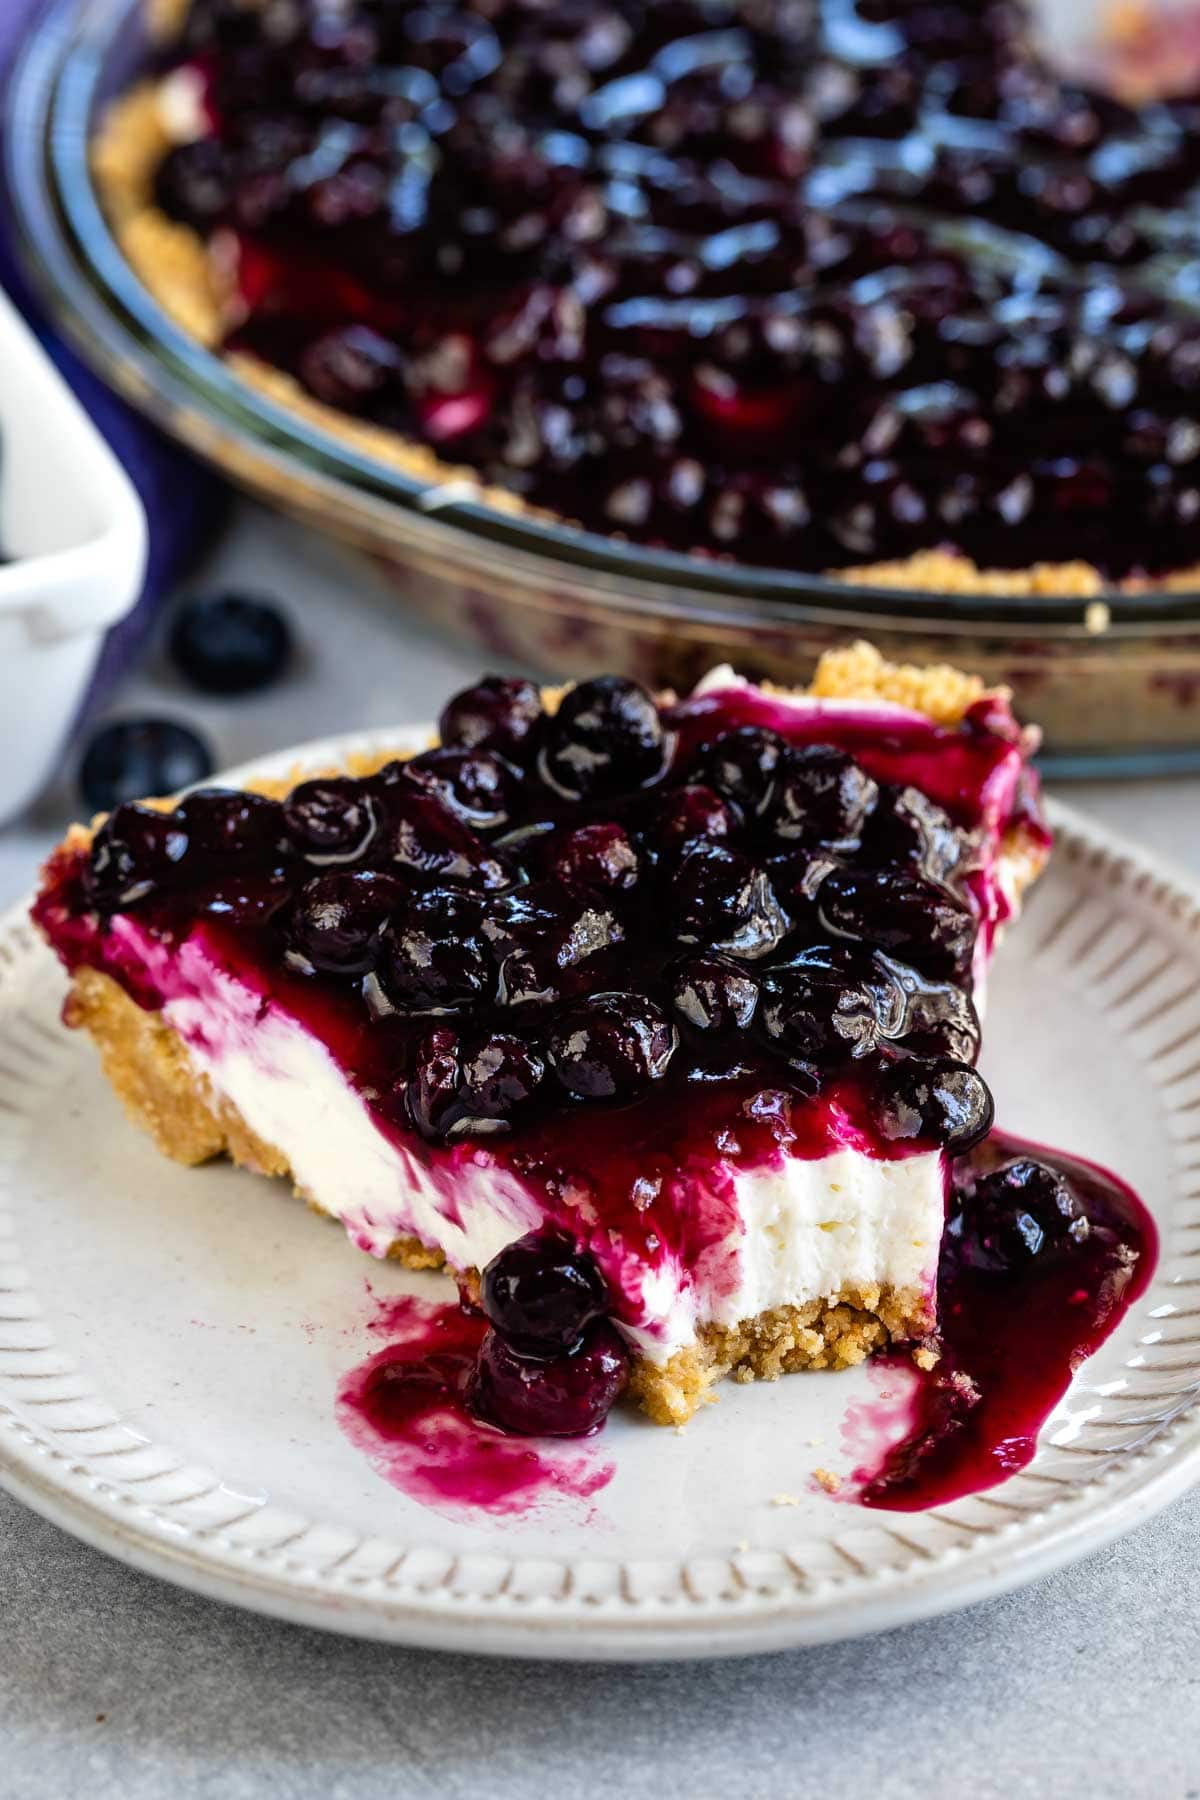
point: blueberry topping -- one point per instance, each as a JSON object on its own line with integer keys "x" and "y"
{"x": 908, "y": 828}
{"x": 428, "y": 840}
{"x": 605, "y": 739}
{"x": 560, "y": 1396}
{"x": 477, "y": 785}
{"x": 461, "y": 1088}
{"x": 133, "y": 758}
{"x": 821, "y": 796}
{"x": 596, "y": 860}
{"x": 431, "y": 957}
{"x": 720, "y": 898}
{"x": 136, "y": 851}
{"x": 495, "y": 714}
{"x": 226, "y": 826}
{"x": 230, "y": 644}
{"x": 337, "y": 918}
{"x": 331, "y": 821}
{"x": 352, "y": 368}
{"x": 689, "y": 814}
{"x": 1015, "y": 1214}
{"x": 742, "y": 766}
{"x": 914, "y": 919}
{"x": 541, "y": 1293}
{"x": 612, "y": 1047}
{"x": 714, "y": 995}
{"x": 942, "y": 1102}
{"x": 830, "y": 1004}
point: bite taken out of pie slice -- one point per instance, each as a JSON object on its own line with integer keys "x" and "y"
{"x": 660, "y": 1016}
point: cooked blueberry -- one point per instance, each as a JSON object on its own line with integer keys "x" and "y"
{"x": 612, "y": 1047}
{"x": 430, "y": 957}
{"x": 938, "y": 1018}
{"x": 1014, "y": 1214}
{"x": 821, "y": 795}
{"x": 692, "y": 812}
{"x": 461, "y": 1088}
{"x": 431, "y": 1095}
{"x": 425, "y": 837}
{"x": 495, "y": 714}
{"x": 605, "y": 739}
{"x": 224, "y": 825}
{"x": 741, "y": 766}
{"x": 943, "y": 1102}
{"x": 720, "y": 899}
{"x": 135, "y": 851}
{"x": 352, "y": 367}
{"x": 332, "y": 820}
{"x": 337, "y": 917}
{"x": 908, "y": 828}
{"x": 541, "y": 1292}
{"x": 551, "y": 964}
{"x": 714, "y": 995}
{"x": 829, "y": 1003}
{"x": 914, "y": 919}
{"x": 478, "y": 785}
{"x": 595, "y": 859}
{"x": 231, "y": 643}
{"x": 560, "y": 1396}
{"x": 135, "y": 757}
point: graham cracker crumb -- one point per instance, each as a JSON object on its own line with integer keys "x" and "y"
{"x": 826, "y": 1479}
{"x": 787, "y": 1500}
{"x": 859, "y": 672}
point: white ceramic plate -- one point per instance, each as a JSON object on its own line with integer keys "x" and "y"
{"x": 171, "y": 1342}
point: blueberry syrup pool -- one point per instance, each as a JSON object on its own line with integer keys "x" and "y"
{"x": 806, "y": 283}
{"x": 1043, "y": 1255}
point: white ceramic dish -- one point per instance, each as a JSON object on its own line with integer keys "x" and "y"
{"x": 171, "y": 1343}
{"x": 73, "y": 535}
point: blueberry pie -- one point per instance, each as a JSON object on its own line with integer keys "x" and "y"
{"x": 817, "y": 284}
{"x": 655, "y": 1019}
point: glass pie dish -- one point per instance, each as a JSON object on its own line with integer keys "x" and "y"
{"x": 1114, "y": 679}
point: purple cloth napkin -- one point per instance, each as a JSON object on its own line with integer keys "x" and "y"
{"x": 182, "y": 498}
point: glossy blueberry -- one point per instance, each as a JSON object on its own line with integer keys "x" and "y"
{"x": 611, "y": 1047}
{"x": 496, "y": 714}
{"x": 722, "y": 901}
{"x": 562, "y": 1396}
{"x": 337, "y": 917}
{"x": 914, "y": 919}
{"x": 352, "y": 367}
{"x": 714, "y": 995}
{"x": 1015, "y": 1214}
{"x": 741, "y": 766}
{"x": 692, "y": 812}
{"x": 225, "y": 826}
{"x": 909, "y": 829}
{"x": 935, "y": 1100}
{"x": 595, "y": 860}
{"x": 564, "y": 959}
{"x": 478, "y": 785}
{"x": 230, "y": 643}
{"x": 424, "y": 836}
{"x": 136, "y": 851}
{"x": 605, "y": 739}
{"x": 332, "y": 821}
{"x": 431, "y": 957}
{"x": 132, "y": 758}
{"x": 541, "y": 1293}
{"x": 462, "y": 1087}
{"x": 821, "y": 796}
{"x": 829, "y": 1004}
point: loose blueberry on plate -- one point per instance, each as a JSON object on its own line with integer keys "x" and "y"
{"x": 541, "y": 1293}
{"x": 230, "y": 643}
{"x": 1017, "y": 1214}
{"x": 134, "y": 757}
{"x": 568, "y": 1395}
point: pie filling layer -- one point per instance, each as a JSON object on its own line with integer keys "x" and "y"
{"x": 804, "y": 282}
{"x": 688, "y": 987}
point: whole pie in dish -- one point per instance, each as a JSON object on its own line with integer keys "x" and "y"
{"x": 659, "y": 1015}
{"x": 806, "y": 283}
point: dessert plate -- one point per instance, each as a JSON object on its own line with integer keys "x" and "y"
{"x": 172, "y": 1343}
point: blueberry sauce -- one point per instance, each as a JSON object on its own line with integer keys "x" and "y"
{"x": 746, "y": 928}
{"x": 1043, "y": 1255}
{"x": 801, "y": 284}
{"x": 406, "y": 1407}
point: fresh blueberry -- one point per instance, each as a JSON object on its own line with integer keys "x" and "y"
{"x": 541, "y": 1293}
{"x": 133, "y": 758}
{"x": 230, "y": 644}
{"x": 561, "y": 1396}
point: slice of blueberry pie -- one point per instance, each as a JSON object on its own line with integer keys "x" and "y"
{"x": 655, "y": 1020}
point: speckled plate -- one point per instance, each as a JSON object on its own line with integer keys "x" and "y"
{"x": 171, "y": 1343}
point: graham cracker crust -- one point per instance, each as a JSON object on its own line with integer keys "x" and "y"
{"x": 149, "y": 1069}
